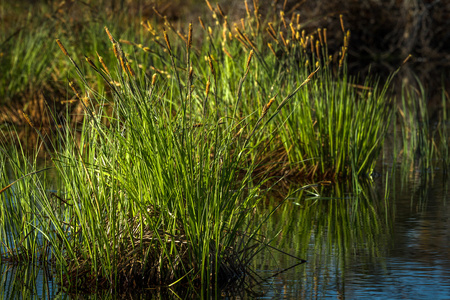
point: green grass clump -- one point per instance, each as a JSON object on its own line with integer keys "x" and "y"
{"x": 159, "y": 182}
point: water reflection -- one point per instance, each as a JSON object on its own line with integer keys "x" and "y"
{"x": 363, "y": 245}
{"x": 27, "y": 282}
{"x": 368, "y": 240}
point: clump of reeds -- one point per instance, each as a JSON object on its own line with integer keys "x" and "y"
{"x": 159, "y": 184}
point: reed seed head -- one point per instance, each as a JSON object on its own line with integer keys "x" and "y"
{"x": 116, "y": 51}
{"x": 209, "y": 6}
{"x": 250, "y": 55}
{"x": 27, "y": 119}
{"x": 211, "y": 66}
{"x": 341, "y": 18}
{"x": 267, "y": 106}
{"x": 100, "y": 59}
{"x": 319, "y": 33}
{"x": 189, "y": 41}
{"x": 247, "y": 9}
{"x": 62, "y": 47}
{"x": 227, "y": 53}
{"x": 220, "y": 10}
{"x": 201, "y": 23}
{"x": 109, "y": 35}
{"x": 130, "y": 70}
{"x": 166, "y": 38}
{"x": 407, "y": 59}
{"x": 90, "y": 62}
{"x": 208, "y": 85}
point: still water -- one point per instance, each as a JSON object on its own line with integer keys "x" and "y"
{"x": 373, "y": 241}
{"x": 375, "y": 249}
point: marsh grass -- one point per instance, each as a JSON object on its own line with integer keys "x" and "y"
{"x": 158, "y": 182}
{"x": 330, "y": 226}
{"x": 424, "y": 141}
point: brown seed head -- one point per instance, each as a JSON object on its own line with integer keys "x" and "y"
{"x": 271, "y": 49}
{"x": 116, "y": 52}
{"x": 208, "y": 85}
{"x": 341, "y": 18}
{"x": 319, "y": 33}
{"x": 189, "y": 41}
{"x": 318, "y": 49}
{"x": 27, "y": 119}
{"x": 130, "y": 70}
{"x": 191, "y": 73}
{"x": 249, "y": 59}
{"x": 62, "y": 47}
{"x": 209, "y": 6}
{"x": 227, "y": 53}
{"x": 90, "y": 62}
{"x": 220, "y": 10}
{"x": 166, "y": 38}
{"x": 201, "y": 23}
{"x": 100, "y": 59}
{"x": 247, "y": 9}
{"x": 109, "y": 35}
{"x": 211, "y": 66}
{"x": 154, "y": 79}
{"x": 267, "y": 106}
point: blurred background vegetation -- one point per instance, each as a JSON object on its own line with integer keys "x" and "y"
{"x": 383, "y": 33}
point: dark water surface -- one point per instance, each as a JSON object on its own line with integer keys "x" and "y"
{"x": 385, "y": 242}
{"x": 398, "y": 249}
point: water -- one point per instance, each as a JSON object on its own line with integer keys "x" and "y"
{"x": 399, "y": 251}
{"x": 356, "y": 247}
